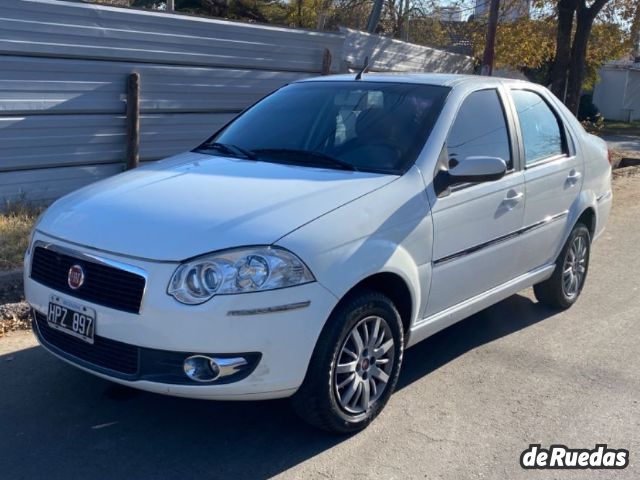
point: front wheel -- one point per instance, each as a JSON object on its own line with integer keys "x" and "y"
{"x": 563, "y": 288}
{"x": 355, "y": 365}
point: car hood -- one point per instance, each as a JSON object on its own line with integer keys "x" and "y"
{"x": 193, "y": 204}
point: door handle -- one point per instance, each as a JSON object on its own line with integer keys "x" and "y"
{"x": 573, "y": 177}
{"x": 512, "y": 199}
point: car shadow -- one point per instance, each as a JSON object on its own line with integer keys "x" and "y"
{"x": 60, "y": 422}
{"x": 504, "y": 318}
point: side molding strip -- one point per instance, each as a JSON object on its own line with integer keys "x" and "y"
{"x": 428, "y": 326}
{"x": 501, "y": 239}
{"x": 260, "y": 311}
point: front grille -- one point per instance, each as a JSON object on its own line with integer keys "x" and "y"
{"x": 103, "y": 284}
{"x": 104, "y": 353}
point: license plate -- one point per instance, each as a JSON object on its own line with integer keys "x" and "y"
{"x": 72, "y": 318}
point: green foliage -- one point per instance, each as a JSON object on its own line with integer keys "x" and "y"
{"x": 608, "y": 41}
{"x": 593, "y": 125}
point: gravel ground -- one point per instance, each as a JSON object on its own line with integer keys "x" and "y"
{"x": 618, "y": 155}
{"x": 14, "y": 313}
{"x": 14, "y": 316}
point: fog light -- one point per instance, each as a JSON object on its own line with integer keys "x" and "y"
{"x": 201, "y": 369}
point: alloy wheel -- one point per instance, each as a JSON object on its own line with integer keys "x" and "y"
{"x": 575, "y": 267}
{"x": 364, "y": 365}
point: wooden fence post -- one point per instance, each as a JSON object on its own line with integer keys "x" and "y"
{"x": 326, "y": 62}
{"x": 133, "y": 121}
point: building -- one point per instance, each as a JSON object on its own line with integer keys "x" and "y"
{"x": 617, "y": 93}
{"x": 450, "y": 14}
{"x": 509, "y": 9}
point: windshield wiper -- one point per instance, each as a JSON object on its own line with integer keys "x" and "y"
{"x": 229, "y": 149}
{"x": 294, "y": 155}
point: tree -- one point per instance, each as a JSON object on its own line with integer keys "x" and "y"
{"x": 635, "y": 30}
{"x": 524, "y": 44}
{"x": 585, "y": 15}
{"x": 542, "y": 46}
{"x": 490, "y": 44}
{"x": 576, "y": 19}
{"x": 374, "y": 16}
{"x": 566, "y": 12}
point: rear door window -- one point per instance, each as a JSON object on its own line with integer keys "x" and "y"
{"x": 540, "y": 127}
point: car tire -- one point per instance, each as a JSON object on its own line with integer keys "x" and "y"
{"x": 563, "y": 288}
{"x": 339, "y": 377}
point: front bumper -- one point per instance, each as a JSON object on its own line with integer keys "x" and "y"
{"x": 282, "y": 341}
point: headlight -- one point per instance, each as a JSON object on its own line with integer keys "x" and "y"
{"x": 237, "y": 271}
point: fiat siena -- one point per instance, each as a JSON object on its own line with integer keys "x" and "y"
{"x": 299, "y": 250}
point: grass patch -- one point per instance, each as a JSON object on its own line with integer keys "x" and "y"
{"x": 16, "y": 223}
{"x": 620, "y": 128}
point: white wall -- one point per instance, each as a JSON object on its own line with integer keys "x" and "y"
{"x": 617, "y": 93}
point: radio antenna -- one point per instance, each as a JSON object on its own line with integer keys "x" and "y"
{"x": 364, "y": 69}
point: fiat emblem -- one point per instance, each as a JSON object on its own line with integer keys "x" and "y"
{"x": 75, "y": 278}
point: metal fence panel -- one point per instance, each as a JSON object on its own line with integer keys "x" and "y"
{"x": 45, "y": 185}
{"x": 64, "y": 68}
{"x": 31, "y": 85}
{"x": 387, "y": 54}
{"x": 46, "y": 141}
{"x": 53, "y": 28}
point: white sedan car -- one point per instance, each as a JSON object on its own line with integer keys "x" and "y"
{"x": 299, "y": 250}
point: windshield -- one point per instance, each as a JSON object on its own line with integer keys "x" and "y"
{"x": 369, "y": 126}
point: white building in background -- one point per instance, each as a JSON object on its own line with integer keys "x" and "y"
{"x": 617, "y": 93}
{"x": 450, "y": 14}
{"x": 509, "y": 9}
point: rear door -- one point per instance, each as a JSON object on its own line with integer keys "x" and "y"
{"x": 474, "y": 224}
{"x": 553, "y": 175}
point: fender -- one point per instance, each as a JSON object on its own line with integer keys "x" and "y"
{"x": 389, "y": 230}
{"x": 585, "y": 200}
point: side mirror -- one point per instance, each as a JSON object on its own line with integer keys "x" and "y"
{"x": 478, "y": 169}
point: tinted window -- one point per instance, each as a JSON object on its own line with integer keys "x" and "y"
{"x": 480, "y": 129}
{"x": 374, "y": 126}
{"x": 541, "y": 132}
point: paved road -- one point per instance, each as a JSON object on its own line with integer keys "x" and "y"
{"x": 470, "y": 400}
{"x": 623, "y": 142}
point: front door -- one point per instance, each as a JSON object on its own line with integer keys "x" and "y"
{"x": 474, "y": 224}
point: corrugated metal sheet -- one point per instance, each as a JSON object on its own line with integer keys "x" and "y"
{"x": 64, "y": 67}
{"x": 51, "y": 183}
{"x": 609, "y": 93}
{"x": 387, "y": 54}
{"x": 44, "y": 141}
{"x": 31, "y": 85}
{"x": 52, "y": 28}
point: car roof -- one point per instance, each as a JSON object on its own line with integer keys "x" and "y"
{"x": 444, "y": 79}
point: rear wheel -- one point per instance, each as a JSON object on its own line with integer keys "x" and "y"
{"x": 355, "y": 365}
{"x": 563, "y": 288}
